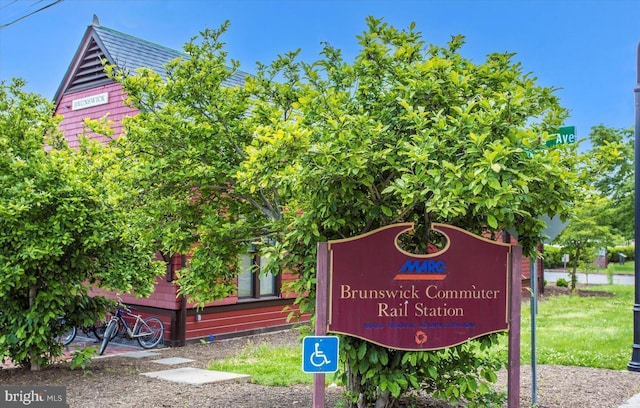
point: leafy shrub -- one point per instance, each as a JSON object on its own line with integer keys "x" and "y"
{"x": 464, "y": 373}
{"x": 627, "y": 251}
{"x": 60, "y": 228}
{"x": 609, "y": 272}
{"x": 552, "y": 257}
{"x": 562, "y": 282}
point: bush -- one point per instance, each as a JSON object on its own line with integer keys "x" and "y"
{"x": 562, "y": 282}
{"x": 627, "y": 251}
{"x": 552, "y": 257}
{"x": 60, "y": 228}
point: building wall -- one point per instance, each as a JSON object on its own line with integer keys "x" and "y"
{"x": 183, "y": 321}
{"x": 238, "y": 319}
{"x": 73, "y": 123}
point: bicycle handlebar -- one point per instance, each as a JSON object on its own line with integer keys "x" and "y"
{"x": 124, "y": 307}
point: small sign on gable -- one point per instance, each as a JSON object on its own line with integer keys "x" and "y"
{"x": 89, "y": 101}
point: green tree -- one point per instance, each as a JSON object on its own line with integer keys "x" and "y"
{"x": 586, "y": 234}
{"x": 183, "y": 151}
{"x": 610, "y": 170}
{"x": 409, "y": 132}
{"x": 605, "y": 214}
{"x": 60, "y": 228}
{"x": 309, "y": 152}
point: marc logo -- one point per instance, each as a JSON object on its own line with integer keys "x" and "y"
{"x": 422, "y": 270}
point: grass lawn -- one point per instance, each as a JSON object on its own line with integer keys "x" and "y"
{"x": 625, "y": 269}
{"x": 582, "y": 331}
{"x": 274, "y": 366}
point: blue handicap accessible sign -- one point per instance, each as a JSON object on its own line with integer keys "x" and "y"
{"x": 320, "y": 354}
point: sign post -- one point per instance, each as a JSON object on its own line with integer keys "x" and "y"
{"x": 322, "y": 288}
{"x": 565, "y": 260}
{"x": 634, "y": 364}
{"x": 515, "y": 308}
{"x": 554, "y": 226}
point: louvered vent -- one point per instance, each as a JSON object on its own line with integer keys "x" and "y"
{"x": 90, "y": 72}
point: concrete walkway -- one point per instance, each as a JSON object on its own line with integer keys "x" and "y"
{"x": 633, "y": 402}
{"x": 185, "y": 375}
{"x": 196, "y": 376}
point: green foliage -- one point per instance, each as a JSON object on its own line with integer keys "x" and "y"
{"x": 605, "y": 214}
{"x": 461, "y": 373}
{"x": 183, "y": 151}
{"x": 562, "y": 282}
{"x": 82, "y": 357}
{"x": 309, "y": 152}
{"x": 409, "y": 133}
{"x": 610, "y": 170}
{"x": 59, "y": 229}
{"x": 585, "y": 234}
{"x": 628, "y": 268}
{"x": 627, "y": 251}
{"x": 609, "y": 272}
{"x": 553, "y": 256}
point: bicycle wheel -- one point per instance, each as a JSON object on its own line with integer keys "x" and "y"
{"x": 153, "y": 332}
{"x": 111, "y": 328}
{"x": 99, "y": 330}
{"x": 68, "y": 336}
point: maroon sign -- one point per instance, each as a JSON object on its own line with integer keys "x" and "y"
{"x": 385, "y": 295}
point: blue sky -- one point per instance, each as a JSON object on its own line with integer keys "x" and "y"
{"x": 585, "y": 48}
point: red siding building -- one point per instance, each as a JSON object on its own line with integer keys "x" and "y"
{"x": 87, "y": 92}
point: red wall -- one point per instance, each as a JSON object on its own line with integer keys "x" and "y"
{"x": 163, "y": 297}
{"x": 236, "y": 321}
{"x": 73, "y": 123}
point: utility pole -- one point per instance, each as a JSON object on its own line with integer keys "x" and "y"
{"x": 634, "y": 364}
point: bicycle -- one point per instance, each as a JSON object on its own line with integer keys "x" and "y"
{"x": 70, "y": 332}
{"x": 147, "y": 331}
{"x": 100, "y": 328}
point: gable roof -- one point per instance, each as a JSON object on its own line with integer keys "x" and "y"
{"x": 123, "y": 50}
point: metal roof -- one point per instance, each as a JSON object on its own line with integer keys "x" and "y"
{"x": 129, "y": 53}
{"x": 123, "y": 50}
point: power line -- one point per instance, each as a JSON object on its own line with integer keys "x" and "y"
{"x": 30, "y": 14}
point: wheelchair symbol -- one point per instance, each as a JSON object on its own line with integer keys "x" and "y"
{"x": 318, "y": 358}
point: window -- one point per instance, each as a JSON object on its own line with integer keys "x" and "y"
{"x": 252, "y": 282}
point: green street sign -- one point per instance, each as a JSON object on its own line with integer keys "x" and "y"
{"x": 565, "y": 135}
